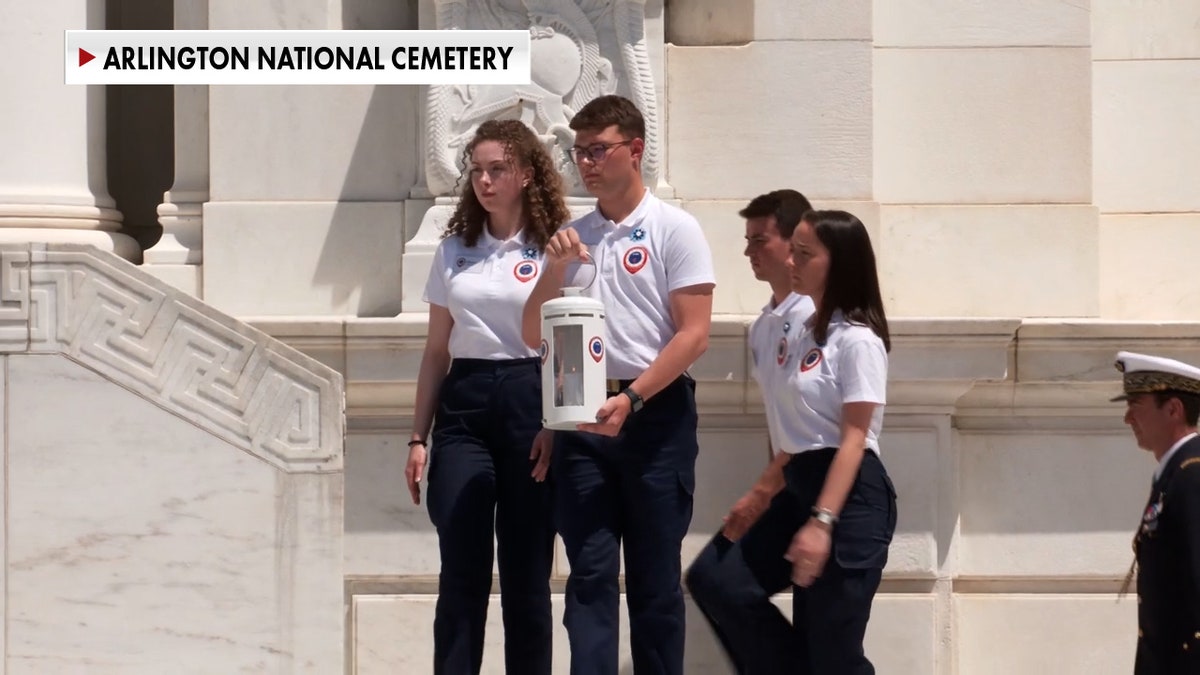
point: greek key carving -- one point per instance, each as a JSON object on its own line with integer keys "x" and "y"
{"x": 212, "y": 370}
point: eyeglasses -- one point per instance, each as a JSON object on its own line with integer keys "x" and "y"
{"x": 596, "y": 152}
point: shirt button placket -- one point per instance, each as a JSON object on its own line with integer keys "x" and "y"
{"x": 494, "y": 259}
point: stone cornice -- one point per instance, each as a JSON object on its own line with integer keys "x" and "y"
{"x": 990, "y": 373}
{"x": 230, "y": 379}
{"x": 1064, "y": 377}
{"x": 1074, "y": 350}
{"x": 934, "y": 362}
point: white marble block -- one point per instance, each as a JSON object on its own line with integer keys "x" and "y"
{"x": 1003, "y": 634}
{"x": 981, "y": 23}
{"x": 1145, "y": 29}
{"x": 940, "y": 137}
{"x": 1146, "y": 137}
{"x": 303, "y": 258}
{"x": 1141, "y": 277}
{"x": 982, "y": 261}
{"x": 1015, "y": 524}
{"x": 721, "y": 145}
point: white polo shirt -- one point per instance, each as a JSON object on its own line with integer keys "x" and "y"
{"x": 485, "y": 288}
{"x": 772, "y": 359}
{"x": 850, "y": 367}
{"x": 658, "y": 249}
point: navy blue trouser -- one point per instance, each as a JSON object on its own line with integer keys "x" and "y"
{"x": 633, "y": 490}
{"x": 479, "y": 475}
{"x": 732, "y": 582}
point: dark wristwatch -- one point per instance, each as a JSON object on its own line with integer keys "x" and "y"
{"x": 635, "y": 401}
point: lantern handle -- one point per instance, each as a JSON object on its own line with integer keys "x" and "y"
{"x": 576, "y": 290}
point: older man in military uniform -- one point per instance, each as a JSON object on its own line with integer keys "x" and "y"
{"x": 1163, "y": 403}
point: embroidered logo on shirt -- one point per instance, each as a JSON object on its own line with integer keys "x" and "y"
{"x": 544, "y": 351}
{"x": 638, "y": 234}
{"x": 810, "y": 360}
{"x": 525, "y": 270}
{"x": 635, "y": 259}
{"x": 781, "y": 351}
{"x": 596, "y": 348}
{"x": 529, "y": 253}
{"x": 787, "y": 325}
{"x": 467, "y": 263}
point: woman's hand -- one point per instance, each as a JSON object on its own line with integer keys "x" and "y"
{"x": 417, "y": 455}
{"x": 809, "y": 552}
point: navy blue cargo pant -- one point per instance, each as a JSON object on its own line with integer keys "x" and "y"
{"x": 479, "y": 474}
{"x": 633, "y": 490}
{"x": 732, "y": 582}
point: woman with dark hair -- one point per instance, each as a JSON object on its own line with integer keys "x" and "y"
{"x": 831, "y": 519}
{"x": 485, "y": 386}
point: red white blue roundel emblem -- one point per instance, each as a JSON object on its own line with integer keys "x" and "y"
{"x": 635, "y": 259}
{"x": 810, "y": 360}
{"x": 525, "y": 270}
{"x": 544, "y": 351}
{"x": 781, "y": 351}
{"x": 596, "y": 349}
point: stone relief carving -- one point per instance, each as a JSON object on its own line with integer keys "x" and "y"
{"x": 226, "y": 377}
{"x": 580, "y": 49}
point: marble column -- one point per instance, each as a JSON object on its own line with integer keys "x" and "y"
{"x": 178, "y": 255}
{"x": 53, "y": 183}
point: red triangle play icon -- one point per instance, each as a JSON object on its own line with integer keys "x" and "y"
{"x": 84, "y": 56}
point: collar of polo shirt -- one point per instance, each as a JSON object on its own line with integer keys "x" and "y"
{"x": 490, "y": 241}
{"x": 632, "y": 220}
{"x": 784, "y": 307}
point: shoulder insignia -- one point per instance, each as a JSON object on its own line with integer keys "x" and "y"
{"x": 1189, "y": 462}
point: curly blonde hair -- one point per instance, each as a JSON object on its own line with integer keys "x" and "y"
{"x": 543, "y": 204}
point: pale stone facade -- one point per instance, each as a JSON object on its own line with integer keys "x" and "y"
{"x": 173, "y": 479}
{"x": 1027, "y": 169}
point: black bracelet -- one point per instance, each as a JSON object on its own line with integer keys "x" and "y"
{"x": 412, "y": 443}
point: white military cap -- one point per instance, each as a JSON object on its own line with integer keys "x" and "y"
{"x": 1143, "y": 374}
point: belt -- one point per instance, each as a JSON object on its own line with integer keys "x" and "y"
{"x": 616, "y": 386}
{"x": 489, "y": 365}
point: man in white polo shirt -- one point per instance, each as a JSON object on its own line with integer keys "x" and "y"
{"x": 628, "y": 479}
{"x": 771, "y": 219}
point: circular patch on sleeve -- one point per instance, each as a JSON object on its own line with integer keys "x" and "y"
{"x": 810, "y": 360}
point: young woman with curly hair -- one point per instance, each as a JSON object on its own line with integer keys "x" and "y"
{"x": 479, "y": 388}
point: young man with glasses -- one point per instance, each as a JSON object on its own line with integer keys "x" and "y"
{"x": 627, "y": 479}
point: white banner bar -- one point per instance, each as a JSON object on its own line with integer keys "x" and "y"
{"x": 475, "y": 57}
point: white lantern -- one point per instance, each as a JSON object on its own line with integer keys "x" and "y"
{"x": 573, "y": 351}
